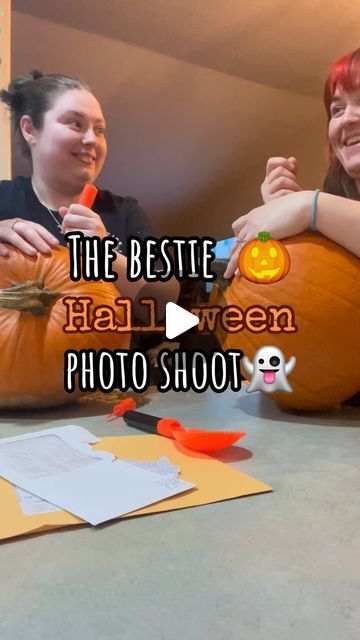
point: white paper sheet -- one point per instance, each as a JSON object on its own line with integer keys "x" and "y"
{"x": 162, "y": 466}
{"x": 44, "y": 457}
{"x": 93, "y": 485}
{"x": 32, "y": 505}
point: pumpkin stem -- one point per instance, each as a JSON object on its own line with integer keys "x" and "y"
{"x": 30, "y": 296}
{"x": 263, "y": 236}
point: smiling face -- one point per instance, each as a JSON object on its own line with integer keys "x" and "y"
{"x": 70, "y": 148}
{"x": 344, "y": 130}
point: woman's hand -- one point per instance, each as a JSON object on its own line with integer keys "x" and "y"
{"x": 280, "y": 179}
{"x": 282, "y": 218}
{"x": 80, "y": 218}
{"x": 27, "y": 236}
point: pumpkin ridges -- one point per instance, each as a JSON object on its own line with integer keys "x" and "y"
{"x": 305, "y": 325}
{"x": 327, "y": 314}
{"x": 33, "y": 354}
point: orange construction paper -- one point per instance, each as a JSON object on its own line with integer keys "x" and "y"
{"x": 215, "y": 481}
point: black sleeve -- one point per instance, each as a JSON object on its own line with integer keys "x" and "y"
{"x": 6, "y": 206}
{"x": 122, "y": 217}
{"x": 137, "y": 222}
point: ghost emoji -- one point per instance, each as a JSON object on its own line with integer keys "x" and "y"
{"x": 269, "y": 370}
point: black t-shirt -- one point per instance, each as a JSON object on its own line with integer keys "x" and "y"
{"x": 122, "y": 217}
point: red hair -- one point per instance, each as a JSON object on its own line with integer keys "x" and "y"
{"x": 344, "y": 73}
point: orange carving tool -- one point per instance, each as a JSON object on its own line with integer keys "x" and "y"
{"x": 88, "y": 195}
{"x": 195, "y": 439}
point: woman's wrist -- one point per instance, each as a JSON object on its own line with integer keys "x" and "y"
{"x": 309, "y": 208}
{"x": 313, "y": 209}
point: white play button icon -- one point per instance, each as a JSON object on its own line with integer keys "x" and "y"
{"x": 178, "y": 320}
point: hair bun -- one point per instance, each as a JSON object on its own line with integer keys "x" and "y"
{"x": 18, "y": 83}
{"x": 36, "y": 74}
{"x": 14, "y": 96}
{"x": 13, "y": 99}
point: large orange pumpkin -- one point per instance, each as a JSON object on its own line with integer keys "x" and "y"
{"x": 33, "y": 346}
{"x": 323, "y": 288}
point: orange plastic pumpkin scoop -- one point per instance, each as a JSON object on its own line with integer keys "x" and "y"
{"x": 194, "y": 439}
{"x": 201, "y": 440}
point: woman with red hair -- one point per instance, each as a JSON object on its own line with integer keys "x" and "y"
{"x": 334, "y": 211}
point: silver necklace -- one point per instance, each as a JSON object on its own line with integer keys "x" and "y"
{"x": 53, "y": 216}
{"x": 45, "y": 206}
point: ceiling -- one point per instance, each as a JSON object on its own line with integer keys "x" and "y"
{"x": 258, "y": 40}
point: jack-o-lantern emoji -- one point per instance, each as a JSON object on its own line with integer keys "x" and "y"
{"x": 264, "y": 260}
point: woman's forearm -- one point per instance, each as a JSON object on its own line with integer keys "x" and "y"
{"x": 339, "y": 219}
